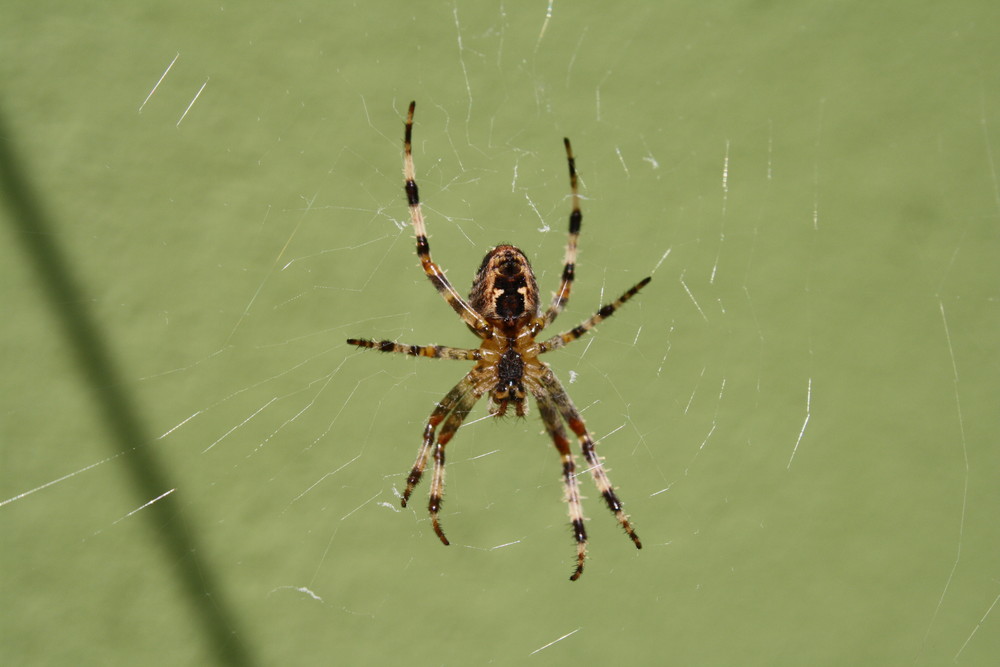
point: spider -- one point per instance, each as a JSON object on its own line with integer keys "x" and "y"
{"x": 503, "y": 311}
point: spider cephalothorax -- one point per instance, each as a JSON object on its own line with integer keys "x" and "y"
{"x": 503, "y": 311}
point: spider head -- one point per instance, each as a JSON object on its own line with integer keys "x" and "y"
{"x": 504, "y": 290}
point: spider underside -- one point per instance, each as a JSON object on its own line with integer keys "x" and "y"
{"x": 503, "y": 311}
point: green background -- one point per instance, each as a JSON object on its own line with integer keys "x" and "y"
{"x": 800, "y": 411}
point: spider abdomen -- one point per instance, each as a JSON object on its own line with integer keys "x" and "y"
{"x": 504, "y": 290}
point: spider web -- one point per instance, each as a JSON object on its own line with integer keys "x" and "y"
{"x": 798, "y": 411}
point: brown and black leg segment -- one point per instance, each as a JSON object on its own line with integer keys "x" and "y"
{"x": 433, "y": 271}
{"x": 602, "y": 314}
{"x": 448, "y": 429}
{"x": 577, "y": 425}
{"x": 431, "y": 351}
{"x": 553, "y": 425}
{"x": 601, "y": 478}
{"x": 569, "y": 262}
{"x": 444, "y": 407}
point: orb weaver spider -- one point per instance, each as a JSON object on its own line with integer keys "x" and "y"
{"x": 503, "y": 311}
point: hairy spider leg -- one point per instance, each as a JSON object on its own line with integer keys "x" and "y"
{"x": 602, "y": 314}
{"x": 432, "y": 351}
{"x": 553, "y": 424}
{"x": 479, "y": 325}
{"x": 448, "y": 429}
{"x": 560, "y": 298}
{"x": 576, "y": 424}
{"x": 443, "y": 408}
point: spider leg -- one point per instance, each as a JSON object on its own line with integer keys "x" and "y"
{"x": 448, "y": 430}
{"x": 433, "y": 271}
{"x": 451, "y": 410}
{"x": 553, "y": 424}
{"x": 560, "y": 298}
{"x": 602, "y": 314}
{"x": 441, "y": 410}
{"x": 576, "y": 424}
{"x": 432, "y": 351}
